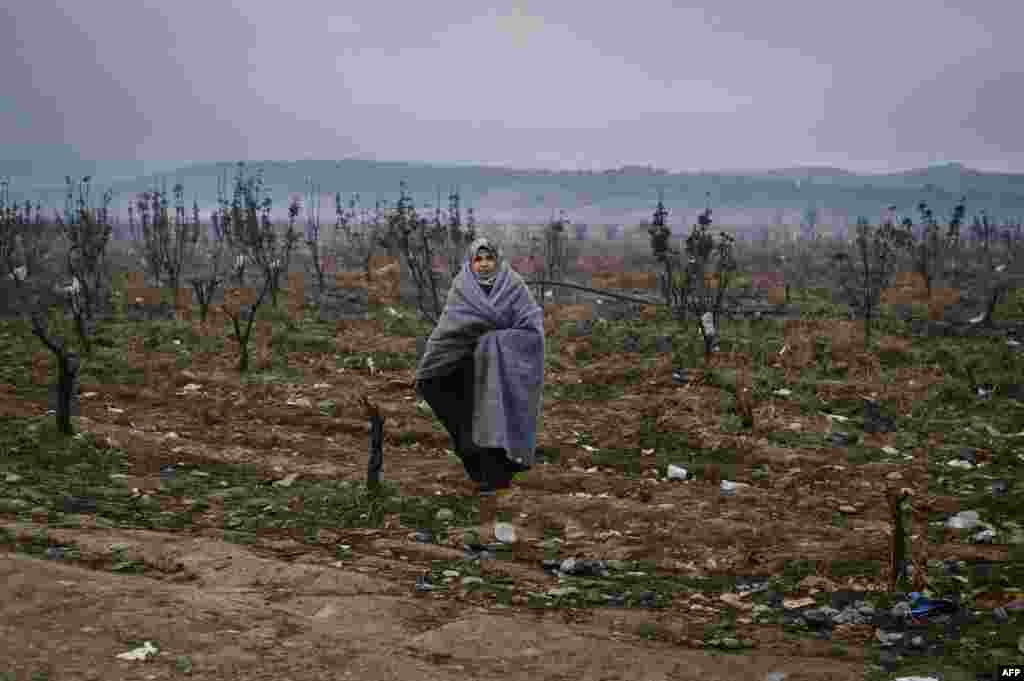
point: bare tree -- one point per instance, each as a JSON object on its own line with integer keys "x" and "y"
{"x": 86, "y": 232}
{"x": 667, "y": 256}
{"x": 419, "y": 241}
{"x": 1007, "y": 275}
{"x": 25, "y": 244}
{"x": 930, "y": 253}
{"x": 42, "y": 300}
{"x": 167, "y": 246}
{"x": 864, "y": 279}
{"x": 245, "y": 225}
{"x": 313, "y": 233}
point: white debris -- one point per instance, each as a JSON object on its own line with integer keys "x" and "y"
{"x": 676, "y": 472}
{"x": 784, "y": 392}
{"x": 505, "y": 533}
{"x": 985, "y": 536}
{"x": 730, "y": 487}
{"x": 143, "y": 652}
{"x": 891, "y": 451}
{"x": 964, "y": 520}
{"x": 287, "y": 481}
{"x": 959, "y": 463}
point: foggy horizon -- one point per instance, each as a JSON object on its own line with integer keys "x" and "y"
{"x": 724, "y": 87}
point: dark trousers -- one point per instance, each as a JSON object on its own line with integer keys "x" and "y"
{"x": 451, "y": 398}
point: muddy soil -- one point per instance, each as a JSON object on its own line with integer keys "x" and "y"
{"x": 283, "y": 605}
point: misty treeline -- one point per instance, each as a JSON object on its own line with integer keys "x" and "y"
{"x": 57, "y": 272}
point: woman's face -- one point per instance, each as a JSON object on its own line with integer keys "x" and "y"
{"x": 484, "y": 263}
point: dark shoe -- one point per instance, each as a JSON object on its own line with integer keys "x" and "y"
{"x": 515, "y": 467}
{"x": 471, "y": 462}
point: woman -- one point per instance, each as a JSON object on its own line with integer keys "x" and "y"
{"x": 483, "y": 373}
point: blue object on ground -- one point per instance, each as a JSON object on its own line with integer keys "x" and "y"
{"x": 921, "y": 606}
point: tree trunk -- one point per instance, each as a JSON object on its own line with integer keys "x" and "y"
{"x": 68, "y": 366}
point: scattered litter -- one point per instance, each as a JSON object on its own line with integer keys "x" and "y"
{"x": 784, "y": 392}
{"x": 999, "y": 487}
{"x": 505, "y": 533}
{"x": 728, "y": 487}
{"x": 891, "y": 451}
{"x": 839, "y": 438}
{"x": 888, "y": 638}
{"x": 985, "y": 537}
{"x": 959, "y": 463}
{"x": 736, "y": 601}
{"x": 143, "y": 652}
{"x": 287, "y": 481}
{"x": 964, "y": 520}
{"x": 676, "y": 472}
{"x": 922, "y": 606}
{"x": 795, "y": 603}
{"x": 423, "y": 536}
{"x": 55, "y": 552}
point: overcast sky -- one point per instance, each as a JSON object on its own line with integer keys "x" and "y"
{"x": 868, "y": 86}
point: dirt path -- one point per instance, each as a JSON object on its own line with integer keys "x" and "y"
{"x": 237, "y": 615}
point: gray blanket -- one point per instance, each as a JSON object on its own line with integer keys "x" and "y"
{"x": 505, "y": 334}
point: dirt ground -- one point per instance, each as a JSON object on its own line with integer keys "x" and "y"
{"x": 283, "y": 607}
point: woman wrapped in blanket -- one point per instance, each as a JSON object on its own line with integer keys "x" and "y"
{"x": 482, "y": 373}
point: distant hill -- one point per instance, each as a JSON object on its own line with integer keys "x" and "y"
{"x": 511, "y": 196}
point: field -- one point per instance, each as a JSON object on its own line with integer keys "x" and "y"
{"x": 224, "y": 518}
